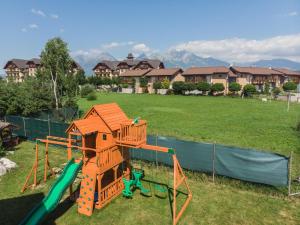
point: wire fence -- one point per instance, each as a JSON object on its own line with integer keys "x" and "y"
{"x": 243, "y": 164}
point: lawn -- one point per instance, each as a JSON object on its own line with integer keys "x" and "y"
{"x": 230, "y": 121}
{"x": 223, "y": 202}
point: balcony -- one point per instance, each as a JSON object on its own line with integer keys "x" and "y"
{"x": 132, "y": 135}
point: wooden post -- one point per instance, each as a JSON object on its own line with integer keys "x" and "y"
{"x": 69, "y": 147}
{"x": 46, "y": 163}
{"x": 290, "y": 173}
{"x": 99, "y": 178}
{"x": 36, "y": 164}
{"x": 174, "y": 189}
{"x": 213, "y": 161}
{"x": 288, "y": 98}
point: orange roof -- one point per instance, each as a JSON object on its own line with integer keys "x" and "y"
{"x": 255, "y": 70}
{"x": 89, "y": 125}
{"x": 111, "y": 114}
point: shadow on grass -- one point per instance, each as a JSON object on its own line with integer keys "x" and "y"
{"x": 168, "y": 194}
{"x": 14, "y": 210}
{"x": 61, "y": 209}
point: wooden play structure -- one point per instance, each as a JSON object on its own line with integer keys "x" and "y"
{"x": 105, "y": 136}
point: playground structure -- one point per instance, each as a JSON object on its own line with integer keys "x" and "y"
{"x": 105, "y": 136}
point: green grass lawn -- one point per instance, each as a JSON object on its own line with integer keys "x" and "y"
{"x": 231, "y": 121}
{"x": 239, "y": 122}
{"x": 223, "y": 202}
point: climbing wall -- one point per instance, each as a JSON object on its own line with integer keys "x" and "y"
{"x": 87, "y": 191}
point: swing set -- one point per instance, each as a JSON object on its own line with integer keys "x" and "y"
{"x": 105, "y": 136}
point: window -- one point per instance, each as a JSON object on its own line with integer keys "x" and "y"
{"x": 104, "y": 137}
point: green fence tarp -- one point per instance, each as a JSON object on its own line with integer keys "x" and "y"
{"x": 244, "y": 164}
{"x": 252, "y": 165}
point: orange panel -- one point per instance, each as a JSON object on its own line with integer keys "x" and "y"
{"x": 87, "y": 190}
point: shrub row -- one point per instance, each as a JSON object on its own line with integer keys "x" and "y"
{"x": 180, "y": 87}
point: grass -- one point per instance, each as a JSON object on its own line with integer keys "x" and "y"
{"x": 223, "y": 202}
{"x": 239, "y": 122}
{"x": 231, "y": 121}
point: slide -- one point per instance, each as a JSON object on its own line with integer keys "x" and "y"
{"x": 55, "y": 194}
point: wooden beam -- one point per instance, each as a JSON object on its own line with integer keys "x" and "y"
{"x": 154, "y": 148}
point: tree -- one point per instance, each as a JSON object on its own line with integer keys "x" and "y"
{"x": 143, "y": 82}
{"x": 3, "y": 98}
{"x": 267, "y": 88}
{"x": 249, "y": 90}
{"x": 165, "y": 84}
{"x": 217, "y": 87}
{"x": 276, "y": 91}
{"x": 204, "y": 87}
{"x": 289, "y": 86}
{"x": 234, "y": 87}
{"x": 56, "y": 63}
{"x": 36, "y": 96}
{"x": 80, "y": 78}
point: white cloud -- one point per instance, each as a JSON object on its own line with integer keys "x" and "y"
{"x": 294, "y": 13}
{"x": 245, "y": 50}
{"x": 24, "y": 29}
{"x": 38, "y": 12}
{"x": 54, "y": 16}
{"x": 90, "y": 55}
{"x": 33, "y": 26}
{"x": 141, "y": 48}
{"x": 117, "y": 44}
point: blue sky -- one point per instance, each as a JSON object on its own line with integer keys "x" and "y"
{"x": 228, "y": 30}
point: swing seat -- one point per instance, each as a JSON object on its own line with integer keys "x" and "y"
{"x": 127, "y": 188}
{"x": 144, "y": 191}
{"x": 160, "y": 188}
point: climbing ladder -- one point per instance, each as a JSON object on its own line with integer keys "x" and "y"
{"x": 87, "y": 190}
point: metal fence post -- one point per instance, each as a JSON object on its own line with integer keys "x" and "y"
{"x": 49, "y": 129}
{"x": 213, "y": 161}
{"x": 290, "y": 173}
{"x": 24, "y": 124}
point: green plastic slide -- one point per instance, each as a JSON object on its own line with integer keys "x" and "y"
{"x": 50, "y": 202}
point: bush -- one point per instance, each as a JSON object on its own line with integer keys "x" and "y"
{"x": 289, "y": 86}
{"x": 204, "y": 87}
{"x": 217, "y": 87}
{"x": 143, "y": 82}
{"x": 249, "y": 90}
{"x": 165, "y": 84}
{"x": 190, "y": 87}
{"x": 107, "y": 81}
{"x": 86, "y": 89}
{"x": 170, "y": 92}
{"x": 157, "y": 85}
{"x": 298, "y": 126}
{"x": 178, "y": 87}
{"x": 91, "y": 96}
{"x": 125, "y": 85}
{"x": 267, "y": 88}
{"x": 276, "y": 91}
{"x": 234, "y": 87}
{"x": 70, "y": 102}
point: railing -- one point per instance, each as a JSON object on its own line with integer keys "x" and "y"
{"x": 108, "y": 158}
{"x": 132, "y": 134}
{"x": 111, "y": 191}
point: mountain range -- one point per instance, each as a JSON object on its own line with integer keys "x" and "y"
{"x": 185, "y": 59}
